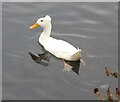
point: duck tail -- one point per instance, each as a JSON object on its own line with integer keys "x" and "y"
{"x": 76, "y": 56}
{"x": 79, "y": 49}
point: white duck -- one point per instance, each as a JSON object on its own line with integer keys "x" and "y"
{"x": 61, "y": 49}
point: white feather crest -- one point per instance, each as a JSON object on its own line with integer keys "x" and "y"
{"x": 47, "y": 17}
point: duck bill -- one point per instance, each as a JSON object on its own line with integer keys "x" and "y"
{"x": 34, "y": 25}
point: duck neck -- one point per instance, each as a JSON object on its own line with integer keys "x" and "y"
{"x": 46, "y": 31}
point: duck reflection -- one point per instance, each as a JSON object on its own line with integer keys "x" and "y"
{"x": 75, "y": 66}
{"x": 44, "y": 60}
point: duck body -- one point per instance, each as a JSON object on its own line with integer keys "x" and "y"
{"x": 59, "y": 48}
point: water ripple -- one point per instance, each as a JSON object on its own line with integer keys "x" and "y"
{"x": 99, "y": 56}
{"x": 76, "y": 35}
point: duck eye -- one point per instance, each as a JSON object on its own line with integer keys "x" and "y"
{"x": 41, "y": 20}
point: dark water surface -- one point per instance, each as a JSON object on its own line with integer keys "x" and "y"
{"x": 93, "y": 27}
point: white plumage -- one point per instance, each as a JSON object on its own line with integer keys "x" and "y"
{"x": 57, "y": 47}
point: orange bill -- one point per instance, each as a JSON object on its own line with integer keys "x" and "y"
{"x": 34, "y": 25}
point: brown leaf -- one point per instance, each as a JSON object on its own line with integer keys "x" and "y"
{"x": 116, "y": 74}
{"x": 109, "y": 94}
{"x": 106, "y": 71}
{"x": 117, "y": 92}
{"x": 96, "y": 91}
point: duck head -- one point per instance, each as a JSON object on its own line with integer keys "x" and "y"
{"x": 43, "y": 22}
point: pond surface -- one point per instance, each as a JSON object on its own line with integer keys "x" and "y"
{"x": 93, "y": 27}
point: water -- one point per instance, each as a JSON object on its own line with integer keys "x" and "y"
{"x": 89, "y": 26}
